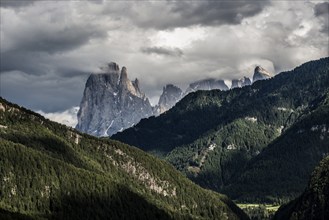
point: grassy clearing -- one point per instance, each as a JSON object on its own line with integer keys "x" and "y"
{"x": 269, "y": 207}
{"x": 259, "y": 211}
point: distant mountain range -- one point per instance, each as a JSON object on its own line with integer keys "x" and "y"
{"x": 258, "y": 143}
{"x": 50, "y": 171}
{"x": 112, "y": 103}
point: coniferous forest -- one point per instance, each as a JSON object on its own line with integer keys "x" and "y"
{"x": 257, "y": 144}
{"x": 50, "y": 171}
{"x": 164, "y": 110}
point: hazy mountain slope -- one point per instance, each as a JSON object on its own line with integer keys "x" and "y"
{"x": 207, "y": 84}
{"x": 211, "y": 135}
{"x": 48, "y": 170}
{"x": 314, "y": 202}
{"x": 282, "y": 169}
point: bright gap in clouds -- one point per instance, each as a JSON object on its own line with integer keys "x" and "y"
{"x": 179, "y": 37}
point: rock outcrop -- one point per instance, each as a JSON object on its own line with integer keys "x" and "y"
{"x": 245, "y": 81}
{"x": 170, "y": 96}
{"x": 260, "y": 74}
{"x": 111, "y": 102}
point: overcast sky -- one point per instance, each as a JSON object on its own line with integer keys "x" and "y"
{"x": 49, "y": 48}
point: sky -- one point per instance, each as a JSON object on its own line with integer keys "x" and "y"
{"x": 49, "y": 48}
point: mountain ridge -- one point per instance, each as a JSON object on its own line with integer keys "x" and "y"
{"x": 112, "y": 103}
{"x": 49, "y": 170}
{"x": 236, "y": 124}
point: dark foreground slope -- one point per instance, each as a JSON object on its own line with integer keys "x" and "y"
{"x": 50, "y": 171}
{"x": 313, "y": 204}
{"x": 211, "y": 136}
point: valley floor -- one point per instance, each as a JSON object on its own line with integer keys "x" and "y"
{"x": 259, "y": 211}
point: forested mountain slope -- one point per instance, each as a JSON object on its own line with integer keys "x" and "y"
{"x": 283, "y": 168}
{"x": 50, "y": 171}
{"x": 313, "y": 204}
{"x": 212, "y": 135}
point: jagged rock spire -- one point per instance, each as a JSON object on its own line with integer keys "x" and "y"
{"x": 171, "y": 94}
{"x": 260, "y": 73}
{"x": 111, "y": 102}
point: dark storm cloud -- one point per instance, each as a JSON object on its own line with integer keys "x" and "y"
{"x": 24, "y": 3}
{"x": 190, "y": 13}
{"x": 321, "y": 10}
{"x": 23, "y": 61}
{"x": 175, "y": 52}
{"x": 48, "y": 48}
{"x": 16, "y": 3}
{"x": 42, "y": 92}
{"x": 71, "y": 72}
{"x": 32, "y": 41}
{"x": 37, "y": 63}
{"x": 30, "y": 65}
{"x": 56, "y": 40}
{"x": 214, "y": 13}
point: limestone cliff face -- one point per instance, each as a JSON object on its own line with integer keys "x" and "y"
{"x": 170, "y": 96}
{"x": 111, "y": 102}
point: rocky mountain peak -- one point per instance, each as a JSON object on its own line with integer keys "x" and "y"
{"x": 111, "y": 102}
{"x": 127, "y": 86}
{"x": 260, "y": 73}
{"x": 171, "y": 94}
{"x": 136, "y": 82}
{"x": 124, "y": 74}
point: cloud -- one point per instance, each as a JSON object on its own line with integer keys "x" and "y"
{"x": 321, "y": 10}
{"x": 16, "y": 3}
{"x": 49, "y": 48}
{"x": 163, "y": 15}
{"x": 67, "y": 117}
{"x": 176, "y": 52}
{"x": 56, "y": 28}
{"x": 215, "y": 13}
{"x": 49, "y": 93}
{"x": 40, "y": 39}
